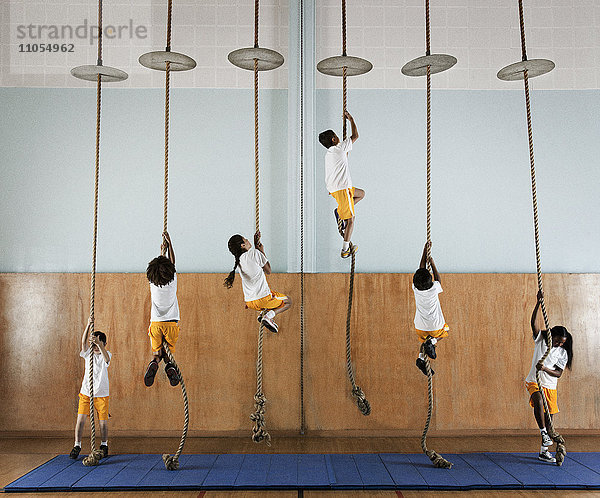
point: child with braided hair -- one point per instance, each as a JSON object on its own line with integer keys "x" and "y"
{"x": 252, "y": 265}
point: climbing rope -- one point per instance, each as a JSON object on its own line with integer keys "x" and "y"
{"x": 95, "y": 455}
{"x": 561, "y": 450}
{"x": 259, "y": 432}
{"x": 172, "y": 462}
{"x": 361, "y": 401}
{"x": 436, "y": 458}
{"x": 302, "y": 413}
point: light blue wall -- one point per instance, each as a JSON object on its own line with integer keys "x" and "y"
{"x": 47, "y": 167}
{"x": 481, "y": 189}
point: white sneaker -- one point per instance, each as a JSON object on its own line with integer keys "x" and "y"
{"x": 270, "y": 324}
{"x": 546, "y": 457}
{"x": 546, "y": 440}
{"x": 347, "y": 252}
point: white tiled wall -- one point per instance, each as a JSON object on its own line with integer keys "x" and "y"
{"x": 482, "y": 34}
{"x": 206, "y": 31}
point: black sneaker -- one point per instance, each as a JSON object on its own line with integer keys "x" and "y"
{"x": 546, "y": 439}
{"x": 421, "y": 365}
{"x": 75, "y": 452}
{"x": 104, "y": 450}
{"x": 150, "y": 373}
{"x": 429, "y": 349}
{"x": 546, "y": 457}
{"x": 171, "y": 372}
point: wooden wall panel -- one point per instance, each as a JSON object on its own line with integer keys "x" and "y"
{"x": 479, "y": 371}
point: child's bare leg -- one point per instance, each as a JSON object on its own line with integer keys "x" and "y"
{"x": 538, "y": 409}
{"x": 104, "y": 429}
{"x": 359, "y": 194}
{"x": 287, "y": 303}
{"x": 349, "y": 229}
{"x": 79, "y": 425}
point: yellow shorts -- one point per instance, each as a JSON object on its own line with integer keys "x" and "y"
{"x": 100, "y": 404}
{"x": 167, "y": 330}
{"x": 438, "y": 334}
{"x": 345, "y": 201}
{"x": 272, "y": 302}
{"x": 551, "y": 396}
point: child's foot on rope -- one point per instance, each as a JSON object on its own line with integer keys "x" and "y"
{"x": 150, "y": 373}
{"x": 421, "y": 365}
{"x": 270, "y": 324}
{"x": 341, "y": 224}
{"x": 171, "y": 372}
{"x": 75, "y": 452}
{"x": 546, "y": 440}
{"x": 104, "y": 450}
{"x": 429, "y": 348}
{"x": 347, "y": 252}
{"x": 546, "y": 456}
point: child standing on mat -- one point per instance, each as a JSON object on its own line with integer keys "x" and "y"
{"x": 339, "y": 183}
{"x": 252, "y": 265}
{"x": 164, "y": 314}
{"x": 560, "y": 356}
{"x": 429, "y": 319}
{"x": 93, "y": 344}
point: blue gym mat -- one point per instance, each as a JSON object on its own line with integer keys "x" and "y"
{"x": 308, "y": 471}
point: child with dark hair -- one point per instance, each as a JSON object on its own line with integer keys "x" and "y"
{"x": 95, "y": 344}
{"x": 339, "y": 183}
{"x": 164, "y": 314}
{"x": 252, "y": 265}
{"x": 560, "y": 356}
{"x": 429, "y": 319}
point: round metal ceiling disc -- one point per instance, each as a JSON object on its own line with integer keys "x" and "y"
{"x": 534, "y": 67}
{"x": 334, "y": 66}
{"x": 244, "y": 58}
{"x": 107, "y": 74}
{"x": 158, "y": 60}
{"x": 436, "y": 62}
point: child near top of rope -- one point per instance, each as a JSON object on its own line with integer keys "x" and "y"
{"x": 560, "y": 356}
{"x": 93, "y": 343}
{"x": 252, "y": 265}
{"x": 339, "y": 182}
{"x": 164, "y": 314}
{"x": 429, "y": 319}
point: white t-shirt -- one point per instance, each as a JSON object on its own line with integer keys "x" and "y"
{"x": 100, "y": 374}
{"x": 254, "y": 282}
{"x": 429, "y": 316}
{"x": 558, "y": 357}
{"x": 164, "y": 302}
{"x": 337, "y": 175}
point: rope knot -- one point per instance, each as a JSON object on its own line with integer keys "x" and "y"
{"x": 171, "y": 461}
{"x": 361, "y": 401}
{"x": 93, "y": 458}
{"x": 438, "y": 460}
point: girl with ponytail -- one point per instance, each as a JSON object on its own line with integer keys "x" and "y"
{"x": 252, "y": 265}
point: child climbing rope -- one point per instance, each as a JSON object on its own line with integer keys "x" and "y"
{"x": 164, "y": 314}
{"x": 339, "y": 183}
{"x": 560, "y": 356}
{"x": 93, "y": 344}
{"x": 429, "y": 319}
{"x": 252, "y": 264}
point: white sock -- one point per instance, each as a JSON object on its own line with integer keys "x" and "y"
{"x": 543, "y": 449}
{"x": 543, "y": 431}
{"x": 78, "y": 444}
{"x": 422, "y": 356}
{"x": 433, "y": 340}
{"x": 270, "y": 314}
{"x": 105, "y": 443}
{"x": 345, "y": 245}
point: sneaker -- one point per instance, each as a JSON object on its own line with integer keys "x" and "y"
{"x": 341, "y": 224}
{"x": 351, "y": 250}
{"x": 429, "y": 349}
{"x": 75, "y": 452}
{"x": 260, "y": 316}
{"x": 546, "y": 439}
{"x": 104, "y": 450}
{"x": 171, "y": 372}
{"x": 270, "y": 324}
{"x": 421, "y": 365}
{"x": 150, "y": 373}
{"x": 546, "y": 457}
